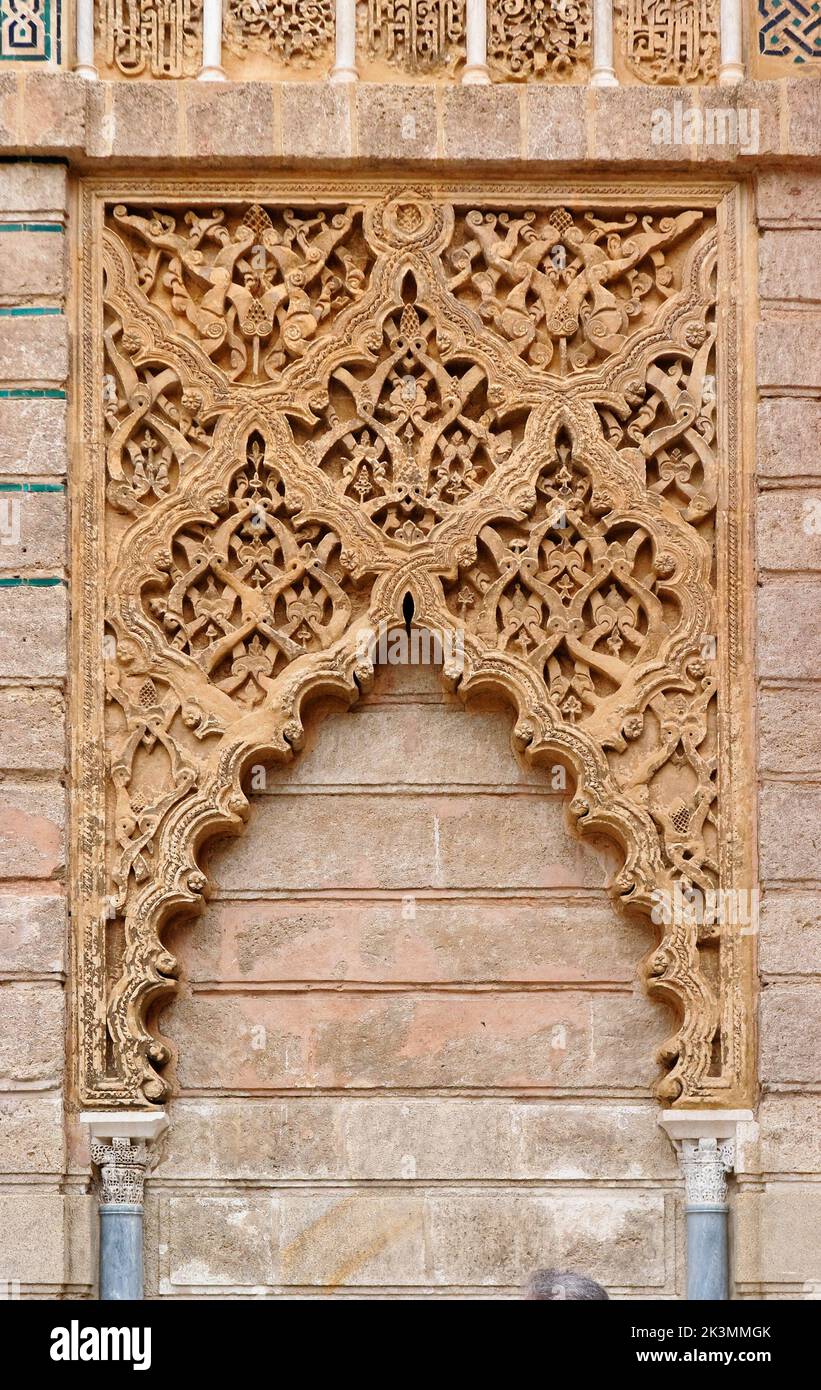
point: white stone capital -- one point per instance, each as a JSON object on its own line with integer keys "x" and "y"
{"x": 119, "y": 1147}
{"x": 705, "y": 1143}
{"x": 142, "y": 1125}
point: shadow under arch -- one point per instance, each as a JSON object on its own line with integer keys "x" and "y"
{"x": 219, "y": 806}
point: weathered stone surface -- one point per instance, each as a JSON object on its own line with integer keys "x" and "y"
{"x": 34, "y": 348}
{"x": 396, "y": 122}
{"x": 415, "y": 841}
{"x": 31, "y": 263}
{"x": 32, "y": 1034}
{"x": 32, "y": 825}
{"x": 788, "y": 434}
{"x": 229, "y": 119}
{"x": 556, "y": 122}
{"x": 33, "y": 531}
{"x": 411, "y": 1040}
{"x": 144, "y": 120}
{"x": 789, "y": 634}
{"x": 776, "y": 1236}
{"x": 219, "y": 1241}
{"x": 32, "y": 930}
{"x": 789, "y": 349}
{"x": 790, "y": 933}
{"x": 32, "y": 732}
{"x": 789, "y": 730}
{"x": 424, "y": 1139}
{"x": 789, "y": 831}
{"x": 790, "y": 1024}
{"x": 31, "y": 1134}
{"x": 483, "y": 1238}
{"x": 33, "y": 1248}
{"x": 789, "y": 1136}
{"x": 628, "y": 118}
{"x": 788, "y": 530}
{"x": 789, "y": 265}
{"x": 316, "y": 120}
{"x": 788, "y": 197}
{"x": 33, "y": 437}
{"x": 52, "y": 111}
{"x": 405, "y": 938}
{"x": 33, "y": 188}
{"x": 803, "y": 104}
{"x": 481, "y": 123}
{"x": 353, "y": 1238}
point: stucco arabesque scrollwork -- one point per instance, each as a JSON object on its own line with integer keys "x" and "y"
{"x": 298, "y": 411}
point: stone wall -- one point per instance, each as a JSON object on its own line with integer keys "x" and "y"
{"x": 462, "y": 1170}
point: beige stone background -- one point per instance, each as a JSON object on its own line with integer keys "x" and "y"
{"x": 392, "y": 1127}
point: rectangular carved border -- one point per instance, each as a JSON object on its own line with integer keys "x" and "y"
{"x": 736, "y": 1084}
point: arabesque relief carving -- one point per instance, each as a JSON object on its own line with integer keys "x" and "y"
{"x": 146, "y": 38}
{"x": 316, "y": 408}
{"x": 538, "y": 38}
{"x": 671, "y": 41}
{"x": 297, "y": 32}
{"x": 416, "y": 35}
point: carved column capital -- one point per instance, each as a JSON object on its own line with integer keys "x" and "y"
{"x": 122, "y": 1164}
{"x": 705, "y": 1143}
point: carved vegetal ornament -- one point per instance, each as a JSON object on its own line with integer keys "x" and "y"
{"x": 315, "y": 405}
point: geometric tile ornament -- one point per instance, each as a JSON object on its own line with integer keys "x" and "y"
{"x": 790, "y": 29}
{"x": 26, "y": 30}
{"x": 514, "y": 406}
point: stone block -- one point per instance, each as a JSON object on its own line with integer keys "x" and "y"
{"x": 33, "y": 630}
{"x": 31, "y": 1135}
{"x": 788, "y": 434}
{"x": 789, "y": 730}
{"x": 789, "y": 265}
{"x": 229, "y": 120}
{"x": 803, "y": 104}
{"x": 789, "y": 349}
{"x": 144, "y": 121}
{"x": 33, "y": 188}
{"x": 32, "y": 1035}
{"x": 499, "y": 1238}
{"x": 351, "y": 840}
{"x": 788, "y": 530}
{"x": 32, "y": 531}
{"x": 789, "y": 633}
{"x": 32, "y": 931}
{"x": 742, "y": 123}
{"x": 52, "y": 112}
{"x": 410, "y": 938}
{"x": 482, "y": 123}
{"x": 788, "y": 197}
{"x": 396, "y": 122}
{"x": 790, "y": 933}
{"x": 32, "y": 828}
{"x": 34, "y": 347}
{"x": 789, "y": 1139}
{"x": 789, "y": 828}
{"x": 31, "y": 263}
{"x": 776, "y": 1236}
{"x": 216, "y": 1242}
{"x": 556, "y": 122}
{"x": 349, "y": 1239}
{"x": 33, "y": 1249}
{"x": 308, "y": 1039}
{"x": 316, "y": 120}
{"x": 790, "y": 1033}
{"x": 637, "y": 124}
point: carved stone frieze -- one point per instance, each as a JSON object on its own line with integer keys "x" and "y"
{"x": 416, "y": 35}
{"x": 295, "y": 31}
{"x": 150, "y": 38}
{"x": 670, "y": 41}
{"x": 539, "y": 38}
{"x": 316, "y": 407}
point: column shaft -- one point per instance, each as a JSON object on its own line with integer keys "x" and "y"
{"x": 344, "y": 69}
{"x": 604, "y": 74}
{"x": 84, "y": 40}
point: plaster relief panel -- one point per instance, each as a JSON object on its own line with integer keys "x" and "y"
{"x": 510, "y": 412}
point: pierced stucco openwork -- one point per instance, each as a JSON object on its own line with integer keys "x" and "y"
{"x": 512, "y": 408}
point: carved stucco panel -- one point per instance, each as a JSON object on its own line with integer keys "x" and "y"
{"x": 303, "y": 407}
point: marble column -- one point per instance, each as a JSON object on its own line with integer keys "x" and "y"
{"x": 119, "y": 1148}
{"x": 476, "y": 69}
{"x": 603, "y": 74}
{"x": 344, "y": 68}
{"x": 705, "y": 1143}
{"x": 84, "y": 40}
{"x": 212, "y": 69}
{"x": 732, "y": 43}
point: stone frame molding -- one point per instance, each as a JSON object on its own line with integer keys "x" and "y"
{"x": 582, "y": 384}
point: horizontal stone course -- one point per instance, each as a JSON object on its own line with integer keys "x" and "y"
{"x": 790, "y": 933}
{"x": 33, "y": 1249}
{"x": 790, "y": 831}
{"x": 788, "y": 530}
{"x": 413, "y": 1238}
{"x": 31, "y": 1134}
{"x": 789, "y": 349}
{"x": 32, "y": 531}
{"x": 384, "y": 1138}
{"x": 32, "y": 827}
{"x": 28, "y": 188}
{"x": 327, "y": 1039}
{"x": 33, "y": 630}
{"x": 790, "y": 1029}
{"x": 789, "y": 633}
{"x": 789, "y": 265}
{"x": 396, "y": 122}
{"x": 788, "y": 434}
{"x": 32, "y": 730}
{"x": 789, "y": 730}
{"x": 776, "y": 1236}
{"x": 32, "y": 265}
